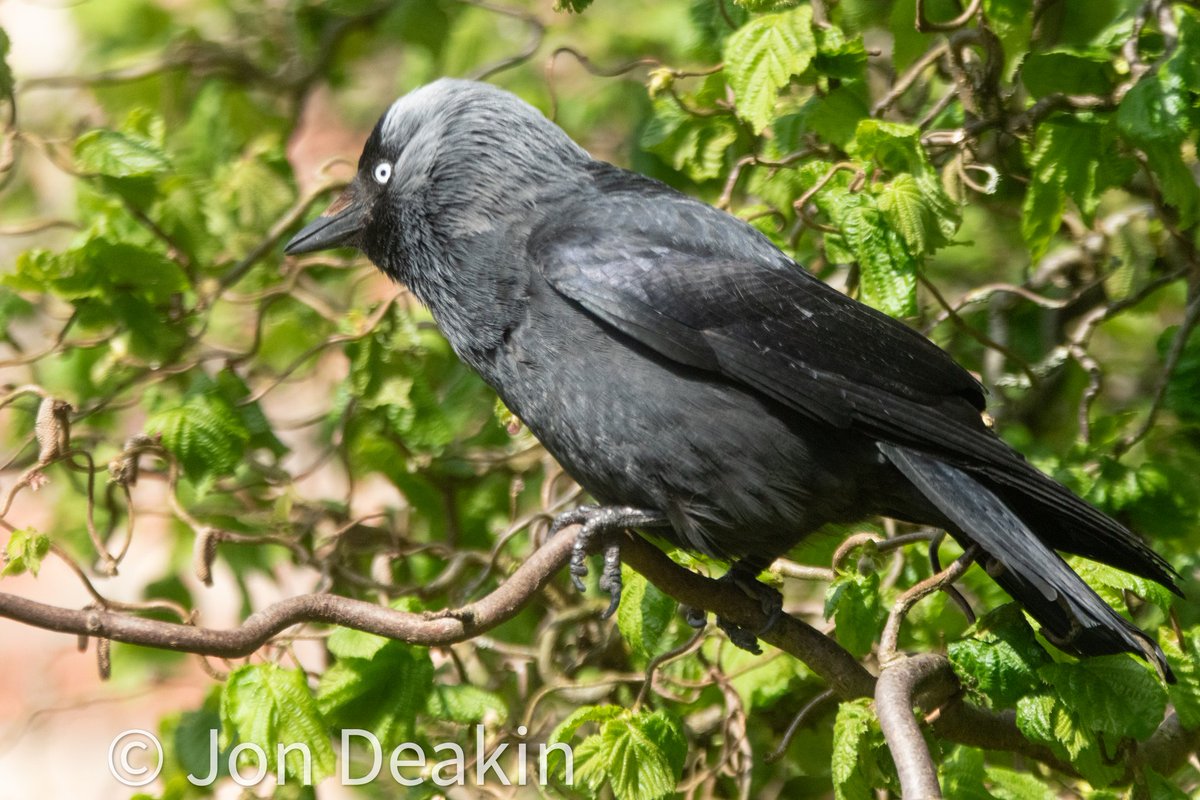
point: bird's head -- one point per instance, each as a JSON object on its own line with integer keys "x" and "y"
{"x": 449, "y": 160}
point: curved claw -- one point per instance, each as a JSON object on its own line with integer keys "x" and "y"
{"x": 740, "y": 637}
{"x": 697, "y": 618}
{"x": 599, "y": 522}
{"x": 610, "y": 578}
{"x": 744, "y": 576}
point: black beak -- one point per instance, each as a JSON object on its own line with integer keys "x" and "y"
{"x": 338, "y": 226}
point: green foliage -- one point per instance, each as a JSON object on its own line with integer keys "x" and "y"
{"x": 860, "y": 757}
{"x": 763, "y": 56}
{"x": 319, "y": 423}
{"x": 644, "y": 615}
{"x": 855, "y": 603}
{"x": 266, "y": 704}
{"x": 693, "y": 145}
{"x": 1089, "y": 708}
{"x": 1110, "y": 694}
{"x": 6, "y": 76}
{"x": 763, "y": 681}
{"x": 1184, "y": 658}
{"x": 638, "y": 754}
{"x": 1073, "y": 158}
{"x": 24, "y": 552}
{"x": 1157, "y": 115}
{"x": 1002, "y": 658}
{"x": 119, "y": 155}
{"x": 464, "y": 704}
{"x": 380, "y": 685}
{"x": 204, "y": 433}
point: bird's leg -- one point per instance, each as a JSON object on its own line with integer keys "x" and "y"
{"x": 602, "y": 522}
{"x": 744, "y": 575}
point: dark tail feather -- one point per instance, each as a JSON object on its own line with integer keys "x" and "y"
{"x": 1073, "y": 617}
{"x": 1072, "y": 525}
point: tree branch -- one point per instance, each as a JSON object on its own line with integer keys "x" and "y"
{"x": 894, "y": 698}
{"x": 956, "y": 720}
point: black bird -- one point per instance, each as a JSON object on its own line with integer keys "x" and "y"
{"x": 691, "y": 376}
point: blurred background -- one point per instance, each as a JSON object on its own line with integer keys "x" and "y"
{"x": 245, "y": 428}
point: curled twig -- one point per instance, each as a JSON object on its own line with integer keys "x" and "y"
{"x": 920, "y": 590}
{"x": 924, "y": 25}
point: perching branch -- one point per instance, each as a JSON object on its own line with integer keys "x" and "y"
{"x": 956, "y": 720}
{"x": 894, "y": 698}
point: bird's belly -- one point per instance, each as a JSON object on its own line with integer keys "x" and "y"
{"x": 736, "y": 474}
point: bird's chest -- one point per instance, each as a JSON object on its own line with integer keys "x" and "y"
{"x": 593, "y": 403}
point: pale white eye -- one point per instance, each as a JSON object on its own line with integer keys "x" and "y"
{"x": 383, "y": 171}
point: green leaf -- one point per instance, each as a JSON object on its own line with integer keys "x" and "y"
{"x": 119, "y": 155}
{"x": 377, "y": 684}
{"x": 640, "y": 755}
{"x": 911, "y": 215}
{"x": 268, "y": 705}
{"x": 1184, "y": 63}
{"x": 961, "y": 775}
{"x": 235, "y": 392}
{"x": 693, "y": 145}
{"x": 130, "y": 268}
{"x": 1007, "y": 784}
{"x": 1012, "y": 21}
{"x": 763, "y": 56}
{"x": 1112, "y": 583}
{"x": 6, "y": 76}
{"x": 835, "y": 115}
{"x": 854, "y": 601}
{"x": 100, "y": 268}
{"x": 711, "y": 24}
{"x": 192, "y": 741}
{"x": 888, "y": 270}
{"x": 1110, "y": 694}
{"x": 573, "y": 6}
{"x": 918, "y": 209}
{"x": 205, "y": 434}
{"x": 1154, "y": 110}
{"x": 855, "y": 735}
{"x": 762, "y": 680}
{"x": 465, "y": 704}
{"x": 1176, "y": 181}
{"x": 1068, "y": 72}
{"x": 1072, "y": 158}
{"x": 24, "y": 552}
{"x": 1183, "y": 391}
{"x": 580, "y": 717}
{"x": 644, "y": 615}
{"x": 1045, "y": 719}
{"x": 839, "y": 57}
{"x": 349, "y": 643}
{"x": 1185, "y": 663}
{"x": 12, "y": 307}
{"x": 1155, "y": 116}
{"x": 1159, "y": 788}
{"x": 1002, "y": 658}
{"x": 895, "y": 146}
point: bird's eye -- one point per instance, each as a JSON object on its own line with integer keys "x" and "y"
{"x": 383, "y": 171}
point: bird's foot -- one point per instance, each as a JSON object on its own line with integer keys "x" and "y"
{"x": 745, "y": 577}
{"x": 599, "y": 523}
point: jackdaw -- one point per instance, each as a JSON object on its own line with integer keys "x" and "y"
{"x": 691, "y": 376}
